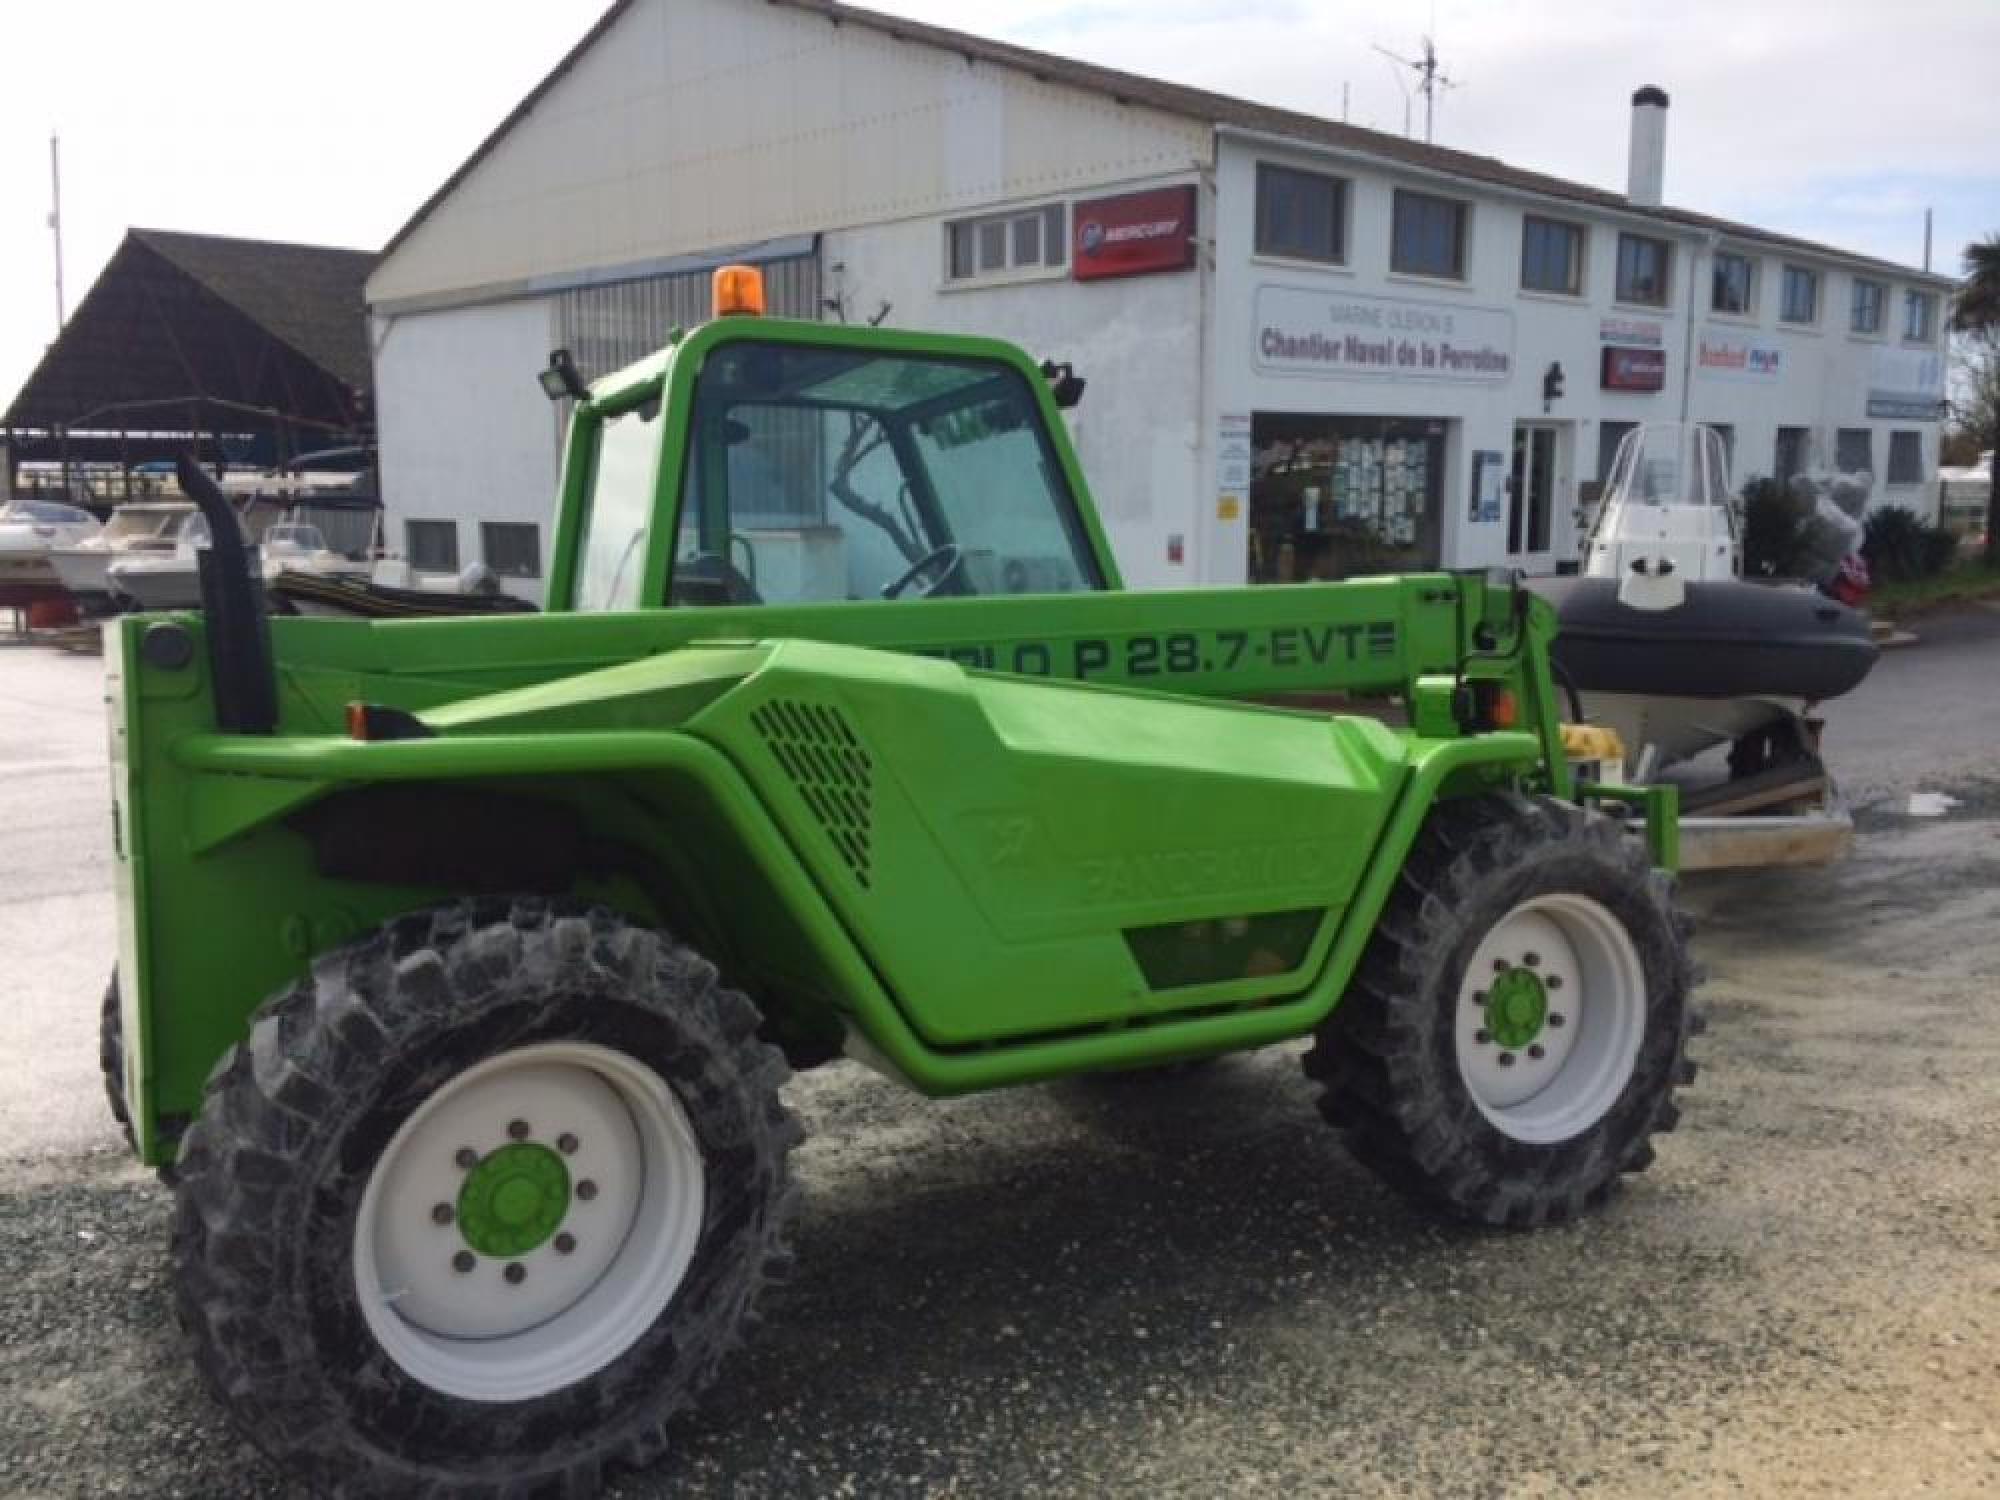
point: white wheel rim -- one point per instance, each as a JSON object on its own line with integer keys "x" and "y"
{"x": 518, "y": 1324}
{"x": 1555, "y": 1080}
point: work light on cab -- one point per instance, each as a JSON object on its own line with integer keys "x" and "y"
{"x": 739, "y": 290}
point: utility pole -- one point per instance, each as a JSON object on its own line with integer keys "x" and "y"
{"x": 1431, "y": 72}
{"x": 55, "y": 221}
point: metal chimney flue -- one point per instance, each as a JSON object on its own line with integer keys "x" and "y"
{"x": 1646, "y": 175}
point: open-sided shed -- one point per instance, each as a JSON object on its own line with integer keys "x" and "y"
{"x": 250, "y": 350}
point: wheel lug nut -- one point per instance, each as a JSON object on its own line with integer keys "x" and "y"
{"x": 586, "y": 1190}
{"x": 1536, "y": 1052}
{"x": 516, "y": 1273}
{"x": 565, "y": 1242}
{"x": 1555, "y": 1018}
{"x": 517, "y": 1129}
{"x": 1506, "y": 1059}
{"x": 1482, "y": 1036}
{"x": 441, "y": 1214}
{"x": 1554, "y": 981}
{"x": 467, "y": 1158}
{"x": 464, "y": 1261}
{"x": 1499, "y": 966}
{"x": 566, "y": 1143}
{"x": 1532, "y": 960}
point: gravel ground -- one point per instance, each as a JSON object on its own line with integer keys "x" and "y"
{"x": 1181, "y": 1286}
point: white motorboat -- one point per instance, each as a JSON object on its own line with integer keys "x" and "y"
{"x": 28, "y": 530}
{"x": 172, "y": 580}
{"x": 137, "y": 528}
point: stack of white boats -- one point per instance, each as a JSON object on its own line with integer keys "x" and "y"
{"x": 146, "y": 557}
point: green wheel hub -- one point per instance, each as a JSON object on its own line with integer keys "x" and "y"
{"x": 1517, "y": 1007}
{"x": 513, "y": 1200}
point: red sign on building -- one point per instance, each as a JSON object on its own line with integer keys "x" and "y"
{"x": 1634, "y": 369}
{"x": 1133, "y": 234}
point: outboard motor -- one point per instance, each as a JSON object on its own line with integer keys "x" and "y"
{"x": 232, "y": 599}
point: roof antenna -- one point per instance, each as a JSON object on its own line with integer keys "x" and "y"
{"x": 55, "y": 220}
{"x": 1431, "y": 71}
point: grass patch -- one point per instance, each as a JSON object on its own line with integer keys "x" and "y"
{"x": 1912, "y": 596}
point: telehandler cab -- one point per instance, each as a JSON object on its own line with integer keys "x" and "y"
{"x": 461, "y": 962}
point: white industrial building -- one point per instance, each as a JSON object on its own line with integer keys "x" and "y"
{"x": 1312, "y": 349}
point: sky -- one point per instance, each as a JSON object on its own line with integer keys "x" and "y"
{"x": 1836, "y": 120}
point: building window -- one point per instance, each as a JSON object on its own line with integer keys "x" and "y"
{"x": 1919, "y": 317}
{"x": 1735, "y": 283}
{"x": 1867, "y": 314}
{"x": 1642, "y": 270}
{"x": 1029, "y": 239}
{"x": 1551, "y": 256}
{"x": 1854, "y": 450}
{"x": 432, "y": 545}
{"x": 1789, "y": 455}
{"x": 1302, "y": 215}
{"x": 513, "y": 549}
{"x": 1727, "y": 432}
{"x": 1906, "y": 458}
{"x": 1428, "y": 237}
{"x": 1609, "y": 436}
{"x": 1800, "y": 302}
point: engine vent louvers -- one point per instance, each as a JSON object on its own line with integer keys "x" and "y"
{"x": 816, "y": 746}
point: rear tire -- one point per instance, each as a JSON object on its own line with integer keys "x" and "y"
{"x": 483, "y": 1203}
{"x": 111, "y": 1059}
{"x": 1513, "y": 1038}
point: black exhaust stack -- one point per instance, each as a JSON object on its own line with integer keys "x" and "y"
{"x": 232, "y": 598}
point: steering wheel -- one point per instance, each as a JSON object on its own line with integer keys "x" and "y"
{"x": 710, "y": 578}
{"x": 950, "y": 554}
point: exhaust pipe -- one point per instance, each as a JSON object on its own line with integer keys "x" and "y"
{"x": 232, "y": 600}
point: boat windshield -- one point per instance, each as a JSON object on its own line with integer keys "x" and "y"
{"x": 295, "y": 536}
{"x": 1670, "y": 463}
{"x": 45, "y": 513}
{"x": 135, "y": 521}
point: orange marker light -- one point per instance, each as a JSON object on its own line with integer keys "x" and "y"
{"x": 357, "y": 721}
{"x": 739, "y": 290}
{"x": 1506, "y": 712}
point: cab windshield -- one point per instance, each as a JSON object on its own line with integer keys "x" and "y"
{"x": 820, "y": 474}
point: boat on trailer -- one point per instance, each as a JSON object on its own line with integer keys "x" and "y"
{"x": 1665, "y": 643}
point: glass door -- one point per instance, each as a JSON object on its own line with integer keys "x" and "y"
{"x": 1531, "y": 492}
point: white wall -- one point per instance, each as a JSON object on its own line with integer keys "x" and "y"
{"x": 1136, "y": 340}
{"x": 466, "y": 433}
{"x": 693, "y": 125}
{"x": 1822, "y": 385}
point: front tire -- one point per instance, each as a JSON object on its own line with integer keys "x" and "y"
{"x": 483, "y": 1203}
{"x": 1513, "y": 1038}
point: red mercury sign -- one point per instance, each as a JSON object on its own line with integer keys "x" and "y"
{"x": 1133, "y": 234}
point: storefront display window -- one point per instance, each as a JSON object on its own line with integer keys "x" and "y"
{"x": 1338, "y": 496}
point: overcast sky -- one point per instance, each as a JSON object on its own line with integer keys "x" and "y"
{"x": 1839, "y": 120}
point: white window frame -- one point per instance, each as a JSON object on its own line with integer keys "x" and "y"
{"x": 1343, "y": 213}
{"x": 1880, "y": 329}
{"x": 1463, "y": 246}
{"x": 1813, "y": 280}
{"x": 1911, "y": 435}
{"x": 1578, "y": 264}
{"x": 1666, "y": 297}
{"x": 1749, "y": 309}
{"x": 410, "y": 545}
{"x": 1912, "y": 299}
{"x": 1051, "y": 221}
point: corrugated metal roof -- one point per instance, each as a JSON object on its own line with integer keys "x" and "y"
{"x": 194, "y": 317}
{"x": 1201, "y": 104}
{"x": 307, "y": 296}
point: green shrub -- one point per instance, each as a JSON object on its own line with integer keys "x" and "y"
{"x": 1772, "y": 540}
{"x": 1900, "y": 544}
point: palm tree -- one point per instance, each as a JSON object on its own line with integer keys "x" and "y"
{"x": 1976, "y": 310}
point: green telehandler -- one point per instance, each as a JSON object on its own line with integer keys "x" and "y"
{"x": 462, "y": 961}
